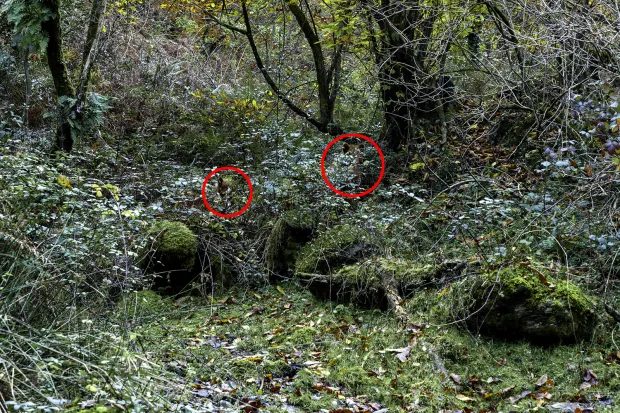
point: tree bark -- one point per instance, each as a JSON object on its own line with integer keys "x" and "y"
{"x": 90, "y": 48}
{"x": 408, "y": 90}
{"x": 60, "y": 75}
{"x": 65, "y": 134}
{"x": 326, "y": 107}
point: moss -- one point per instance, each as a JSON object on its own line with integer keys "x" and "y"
{"x": 334, "y": 248}
{"x": 356, "y": 352}
{"x": 304, "y": 397}
{"x": 568, "y": 294}
{"x": 174, "y": 245}
{"x": 523, "y": 302}
{"x": 303, "y": 335}
{"x": 516, "y": 281}
{"x": 173, "y": 250}
{"x": 289, "y": 233}
{"x": 362, "y": 282}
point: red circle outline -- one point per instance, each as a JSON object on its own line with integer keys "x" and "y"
{"x": 331, "y": 186}
{"x": 232, "y": 214}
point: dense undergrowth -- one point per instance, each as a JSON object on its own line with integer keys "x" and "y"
{"x": 497, "y": 236}
{"x": 77, "y": 240}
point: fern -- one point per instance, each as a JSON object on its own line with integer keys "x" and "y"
{"x": 91, "y": 116}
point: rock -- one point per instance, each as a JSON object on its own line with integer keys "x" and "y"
{"x": 170, "y": 255}
{"x": 290, "y": 233}
{"x": 334, "y": 248}
{"x": 524, "y": 302}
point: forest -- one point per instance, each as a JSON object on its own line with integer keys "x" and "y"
{"x": 331, "y": 206}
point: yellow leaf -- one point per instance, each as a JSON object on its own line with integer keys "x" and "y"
{"x": 64, "y": 181}
{"x": 416, "y": 166}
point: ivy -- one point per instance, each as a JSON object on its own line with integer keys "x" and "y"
{"x": 26, "y": 16}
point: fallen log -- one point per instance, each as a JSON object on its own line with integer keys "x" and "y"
{"x": 395, "y": 304}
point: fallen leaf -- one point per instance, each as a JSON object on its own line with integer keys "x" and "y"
{"x": 463, "y": 398}
{"x": 543, "y": 395}
{"x": 614, "y": 357}
{"x": 404, "y": 354}
{"x": 590, "y": 377}
{"x": 506, "y": 390}
{"x": 203, "y": 393}
{"x": 541, "y": 381}
{"x": 256, "y": 358}
{"x": 255, "y": 310}
{"x": 521, "y": 396}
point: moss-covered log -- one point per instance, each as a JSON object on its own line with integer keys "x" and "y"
{"x": 375, "y": 282}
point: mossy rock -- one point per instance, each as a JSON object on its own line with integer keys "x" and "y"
{"x": 362, "y": 283}
{"x": 524, "y": 302}
{"x": 333, "y": 249}
{"x": 289, "y": 234}
{"x": 171, "y": 255}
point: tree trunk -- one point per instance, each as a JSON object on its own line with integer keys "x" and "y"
{"x": 58, "y": 68}
{"x": 90, "y": 49}
{"x": 408, "y": 90}
{"x": 60, "y": 75}
{"x": 397, "y": 113}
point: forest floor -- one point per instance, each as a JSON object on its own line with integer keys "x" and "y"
{"x": 279, "y": 349}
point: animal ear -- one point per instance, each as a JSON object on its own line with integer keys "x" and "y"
{"x": 346, "y": 147}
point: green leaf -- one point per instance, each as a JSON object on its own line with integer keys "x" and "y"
{"x": 416, "y": 166}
